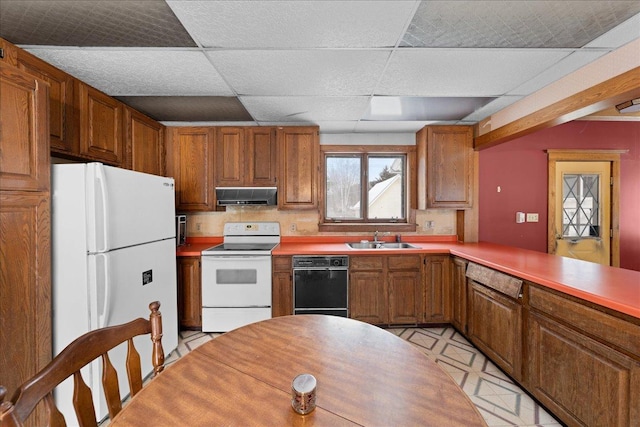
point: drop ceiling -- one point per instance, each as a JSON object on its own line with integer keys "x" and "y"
{"x": 347, "y": 66}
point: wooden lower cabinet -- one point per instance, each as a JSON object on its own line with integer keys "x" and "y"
{"x": 582, "y": 381}
{"x": 459, "y": 294}
{"x": 189, "y": 293}
{"x": 368, "y": 300}
{"x": 406, "y": 292}
{"x": 282, "y": 287}
{"x": 495, "y": 327}
{"x": 437, "y": 288}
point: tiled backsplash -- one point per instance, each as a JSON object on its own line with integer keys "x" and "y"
{"x": 304, "y": 223}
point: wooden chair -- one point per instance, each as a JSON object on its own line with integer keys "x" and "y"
{"x": 75, "y": 356}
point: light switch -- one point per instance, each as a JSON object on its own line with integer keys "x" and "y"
{"x": 532, "y": 217}
{"x": 519, "y": 217}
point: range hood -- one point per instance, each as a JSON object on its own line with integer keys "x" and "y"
{"x": 234, "y": 196}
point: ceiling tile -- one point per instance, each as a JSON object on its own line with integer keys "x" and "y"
{"x": 514, "y": 24}
{"x": 291, "y": 24}
{"x": 566, "y": 65}
{"x": 301, "y": 72}
{"x": 189, "y": 108}
{"x": 463, "y": 72}
{"x": 305, "y": 109}
{"x": 139, "y": 72}
{"x": 624, "y": 33}
{"x": 492, "y": 107}
{"x": 391, "y": 126}
{"x": 91, "y": 23}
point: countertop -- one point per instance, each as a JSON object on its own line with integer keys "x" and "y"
{"x": 614, "y": 288}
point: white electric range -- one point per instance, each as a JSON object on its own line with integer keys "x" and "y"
{"x": 236, "y": 276}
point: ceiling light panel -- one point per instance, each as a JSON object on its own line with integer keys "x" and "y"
{"x": 391, "y": 126}
{"x": 295, "y": 24}
{"x": 463, "y": 72}
{"x": 301, "y": 72}
{"x": 139, "y": 72}
{"x": 91, "y": 23}
{"x": 514, "y": 24}
{"x": 415, "y": 108}
{"x": 305, "y": 109}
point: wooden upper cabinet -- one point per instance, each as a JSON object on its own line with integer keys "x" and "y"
{"x": 145, "y": 150}
{"x": 245, "y": 157}
{"x": 261, "y": 156}
{"x": 445, "y": 167}
{"x": 63, "y": 132}
{"x": 101, "y": 122}
{"x": 24, "y": 136}
{"x": 299, "y": 150}
{"x": 229, "y": 152}
{"x": 190, "y": 163}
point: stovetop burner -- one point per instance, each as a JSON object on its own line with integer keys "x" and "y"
{"x": 247, "y": 238}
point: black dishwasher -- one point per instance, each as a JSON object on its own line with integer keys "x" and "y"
{"x": 321, "y": 285}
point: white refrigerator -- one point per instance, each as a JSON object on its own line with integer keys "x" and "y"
{"x": 113, "y": 252}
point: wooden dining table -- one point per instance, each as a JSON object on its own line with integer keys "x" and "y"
{"x": 365, "y": 376}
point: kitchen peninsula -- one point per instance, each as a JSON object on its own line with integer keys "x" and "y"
{"x": 570, "y": 334}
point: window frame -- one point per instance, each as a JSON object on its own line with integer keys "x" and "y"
{"x": 345, "y": 225}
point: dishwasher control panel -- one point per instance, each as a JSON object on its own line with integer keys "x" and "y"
{"x": 320, "y": 261}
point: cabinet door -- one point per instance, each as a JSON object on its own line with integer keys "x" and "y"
{"x": 145, "y": 143}
{"x": 25, "y": 288}
{"x": 260, "y": 156}
{"x": 459, "y": 294}
{"x": 62, "y": 120}
{"x": 189, "y": 293}
{"x": 298, "y": 149}
{"x": 437, "y": 289}
{"x": 445, "y": 167}
{"x": 101, "y": 120}
{"x": 405, "y": 297}
{"x": 282, "y": 284}
{"x": 230, "y": 157}
{"x": 581, "y": 380}
{"x": 24, "y": 133}
{"x": 191, "y": 167}
{"x": 368, "y": 300}
{"x": 495, "y": 327}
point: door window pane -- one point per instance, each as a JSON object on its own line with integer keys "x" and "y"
{"x": 581, "y": 205}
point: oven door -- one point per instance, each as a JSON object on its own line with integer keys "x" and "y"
{"x": 236, "y": 281}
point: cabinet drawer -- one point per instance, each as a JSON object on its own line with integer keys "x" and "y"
{"x": 618, "y": 332}
{"x": 366, "y": 263}
{"x": 404, "y": 262}
{"x": 495, "y": 280}
{"x": 282, "y": 263}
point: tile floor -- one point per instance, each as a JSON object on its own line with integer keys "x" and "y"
{"x": 499, "y": 400}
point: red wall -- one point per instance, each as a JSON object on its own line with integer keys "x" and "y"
{"x": 519, "y": 167}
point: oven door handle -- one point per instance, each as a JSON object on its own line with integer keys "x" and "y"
{"x": 226, "y": 257}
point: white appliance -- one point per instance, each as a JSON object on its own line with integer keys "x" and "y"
{"x": 113, "y": 252}
{"x": 236, "y": 276}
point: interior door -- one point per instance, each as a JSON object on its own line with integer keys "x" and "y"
{"x": 583, "y": 211}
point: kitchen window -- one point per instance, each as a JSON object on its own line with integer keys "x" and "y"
{"x": 367, "y": 189}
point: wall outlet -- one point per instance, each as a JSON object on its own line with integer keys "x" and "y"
{"x": 519, "y": 217}
{"x": 198, "y": 226}
{"x": 429, "y": 225}
{"x": 532, "y": 217}
{"x": 292, "y": 227}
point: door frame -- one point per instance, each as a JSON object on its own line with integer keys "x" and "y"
{"x": 612, "y": 156}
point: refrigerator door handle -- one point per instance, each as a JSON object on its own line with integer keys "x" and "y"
{"x": 104, "y": 203}
{"x": 103, "y": 318}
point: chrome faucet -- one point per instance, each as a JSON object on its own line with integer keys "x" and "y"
{"x": 375, "y": 236}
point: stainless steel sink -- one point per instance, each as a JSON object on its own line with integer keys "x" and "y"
{"x": 380, "y": 245}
